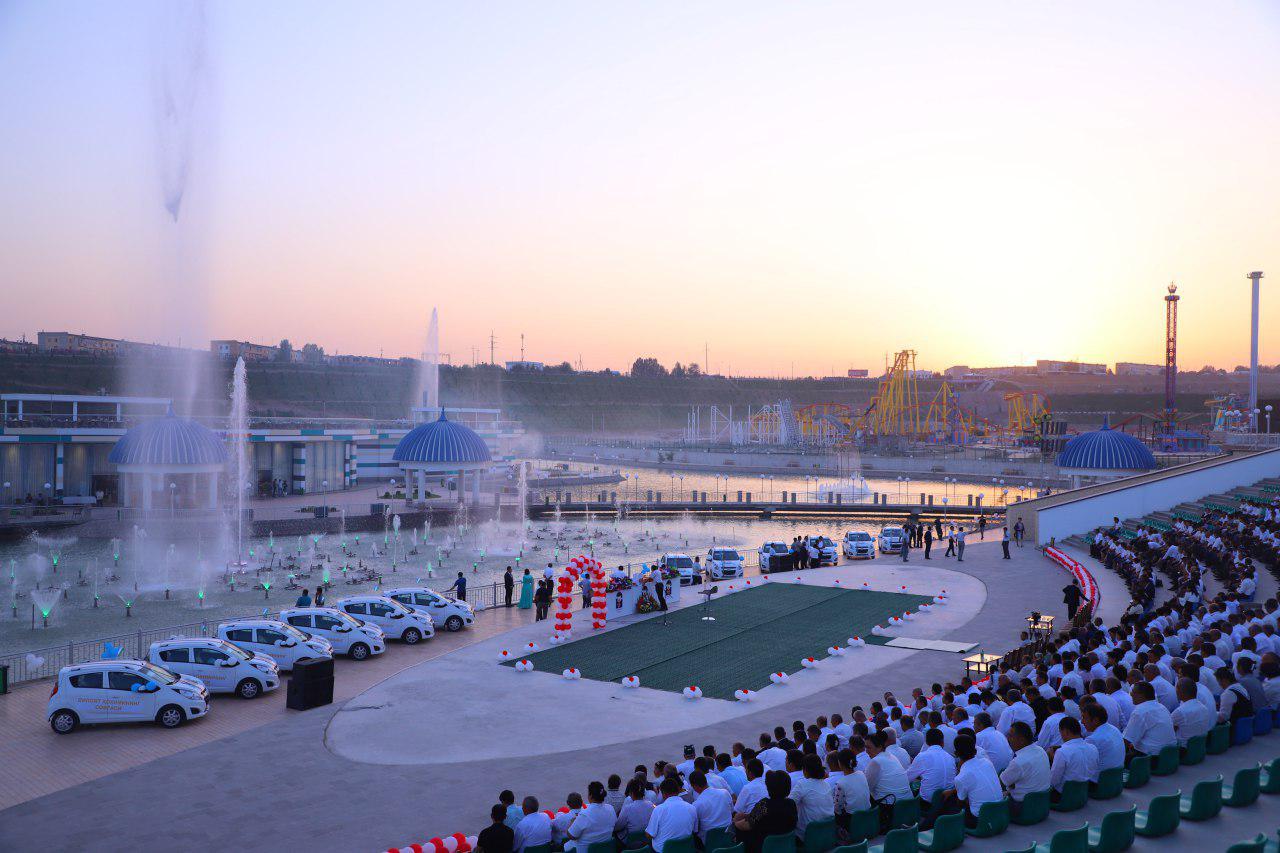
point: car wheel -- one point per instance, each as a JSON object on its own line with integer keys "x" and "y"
{"x": 453, "y": 623}
{"x": 64, "y": 722}
{"x": 171, "y": 717}
{"x": 249, "y": 689}
{"x": 411, "y": 636}
{"x": 359, "y": 651}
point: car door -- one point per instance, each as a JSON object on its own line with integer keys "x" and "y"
{"x": 90, "y": 698}
{"x": 436, "y": 605}
{"x": 127, "y": 705}
{"x": 277, "y": 646}
{"x": 177, "y": 659}
{"x": 385, "y": 617}
{"x": 209, "y": 665}
{"x": 243, "y": 637}
{"x": 338, "y": 632}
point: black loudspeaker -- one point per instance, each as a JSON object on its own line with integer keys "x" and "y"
{"x": 311, "y": 685}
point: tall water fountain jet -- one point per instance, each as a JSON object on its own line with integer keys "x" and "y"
{"x": 240, "y": 447}
{"x": 427, "y": 392}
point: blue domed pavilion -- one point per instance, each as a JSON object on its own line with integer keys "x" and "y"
{"x": 175, "y": 458}
{"x": 443, "y": 447}
{"x": 1104, "y": 454}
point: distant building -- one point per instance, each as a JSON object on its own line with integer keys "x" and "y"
{"x": 231, "y": 350}
{"x": 1130, "y": 368}
{"x": 1044, "y": 366}
{"x": 1011, "y": 370}
{"x": 71, "y": 343}
{"x": 7, "y": 345}
{"x": 526, "y": 365}
{"x": 859, "y": 373}
{"x": 957, "y": 371}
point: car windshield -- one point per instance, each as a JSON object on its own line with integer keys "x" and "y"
{"x": 725, "y": 554}
{"x": 821, "y": 542}
{"x": 234, "y": 651}
{"x": 858, "y": 536}
{"x": 776, "y": 548}
{"x": 289, "y": 631}
{"x": 680, "y": 562}
{"x": 156, "y": 674}
{"x": 397, "y": 606}
{"x": 891, "y": 531}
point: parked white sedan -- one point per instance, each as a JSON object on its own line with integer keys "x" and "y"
{"x": 280, "y": 641}
{"x": 858, "y": 545}
{"x": 221, "y": 666}
{"x": 392, "y": 617}
{"x": 123, "y": 691}
{"x": 347, "y": 634}
{"x": 724, "y": 563}
{"x": 453, "y": 615}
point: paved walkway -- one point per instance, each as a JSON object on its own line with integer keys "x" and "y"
{"x": 277, "y": 780}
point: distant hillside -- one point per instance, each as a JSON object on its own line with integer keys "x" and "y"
{"x": 550, "y": 401}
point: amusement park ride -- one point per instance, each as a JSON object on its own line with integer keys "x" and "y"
{"x": 897, "y": 410}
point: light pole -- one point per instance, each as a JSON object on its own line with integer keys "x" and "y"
{"x": 899, "y": 489}
{"x": 681, "y": 479}
{"x": 762, "y": 497}
{"x": 1267, "y": 409}
{"x": 770, "y": 487}
{"x": 173, "y": 491}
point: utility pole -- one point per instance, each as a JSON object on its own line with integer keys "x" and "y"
{"x": 1256, "y": 278}
{"x": 522, "y": 346}
{"x": 492, "y": 341}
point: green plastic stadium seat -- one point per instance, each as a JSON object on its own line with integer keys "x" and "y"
{"x": 1195, "y": 750}
{"x": 1161, "y": 818}
{"x": 864, "y": 824}
{"x": 1067, "y": 841}
{"x": 602, "y": 847}
{"x": 718, "y": 839}
{"x": 1271, "y": 777}
{"x": 819, "y": 836}
{"x": 636, "y": 840}
{"x": 1244, "y": 789}
{"x": 904, "y": 839}
{"x": 1115, "y": 833}
{"x": 1219, "y": 738}
{"x": 947, "y": 834}
{"x": 906, "y": 812}
{"x": 784, "y": 843}
{"x": 860, "y": 847}
{"x": 1205, "y": 800}
{"x": 993, "y": 819}
{"x": 1139, "y": 772}
{"x": 1242, "y": 731}
{"x": 1254, "y": 845}
{"x": 540, "y": 848}
{"x": 1166, "y": 762}
{"x": 679, "y": 845}
{"x": 1035, "y": 808}
{"x": 1263, "y": 722}
{"x": 1110, "y": 784}
{"x": 1075, "y": 796}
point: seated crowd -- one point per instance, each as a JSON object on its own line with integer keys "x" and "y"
{"x": 1085, "y": 702}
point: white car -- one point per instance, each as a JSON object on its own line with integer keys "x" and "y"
{"x": 123, "y": 691}
{"x": 822, "y": 551}
{"x": 403, "y": 623}
{"x": 682, "y": 565}
{"x": 891, "y": 539}
{"x": 280, "y": 641}
{"x": 858, "y": 545}
{"x": 347, "y": 634}
{"x": 453, "y": 615}
{"x": 724, "y": 563}
{"x": 220, "y": 666}
{"x": 771, "y": 551}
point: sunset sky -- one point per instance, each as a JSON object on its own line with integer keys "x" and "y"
{"x": 805, "y": 184}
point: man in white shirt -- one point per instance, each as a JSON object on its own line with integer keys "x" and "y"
{"x": 1105, "y": 737}
{"x": 1191, "y": 718}
{"x": 1029, "y": 769}
{"x": 976, "y": 782}
{"x": 995, "y": 745}
{"x": 934, "y": 767}
{"x": 733, "y": 777}
{"x": 534, "y": 829}
{"x": 1075, "y": 761}
{"x": 1150, "y": 727}
{"x": 1050, "y": 735}
{"x": 1165, "y": 694}
{"x": 713, "y": 806}
{"x": 774, "y": 758}
{"x": 673, "y": 818}
{"x": 1017, "y": 711}
{"x": 752, "y": 792}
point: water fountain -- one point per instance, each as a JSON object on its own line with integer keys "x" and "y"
{"x": 239, "y": 444}
{"x": 427, "y": 391}
{"x": 45, "y": 600}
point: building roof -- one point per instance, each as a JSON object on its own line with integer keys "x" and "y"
{"x": 441, "y": 442}
{"x": 1106, "y": 449}
{"x": 169, "y": 442}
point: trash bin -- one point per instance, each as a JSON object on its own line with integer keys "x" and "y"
{"x": 4, "y": 679}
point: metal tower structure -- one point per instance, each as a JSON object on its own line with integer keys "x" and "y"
{"x": 1171, "y": 363}
{"x": 1256, "y": 278}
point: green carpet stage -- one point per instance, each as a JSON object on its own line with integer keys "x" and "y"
{"x": 756, "y": 632}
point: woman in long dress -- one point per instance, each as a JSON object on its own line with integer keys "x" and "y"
{"x": 526, "y": 591}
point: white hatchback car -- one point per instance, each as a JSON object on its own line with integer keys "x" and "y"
{"x": 770, "y": 552}
{"x": 348, "y": 635}
{"x": 683, "y": 566}
{"x": 280, "y": 641}
{"x": 453, "y": 615}
{"x": 123, "y": 691}
{"x": 891, "y": 539}
{"x": 220, "y": 666}
{"x": 395, "y": 620}
{"x": 858, "y": 545}
{"x": 724, "y": 563}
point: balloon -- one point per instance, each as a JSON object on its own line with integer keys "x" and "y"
{"x": 693, "y": 692}
{"x": 450, "y": 844}
{"x": 525, "y": 665}
{"x": 504, "y": 654}
{"x": 743, "y": 695}
{"x": 779, "y": 678}
{"x": 631, "y": 682}
{"x": 808, "y": 663}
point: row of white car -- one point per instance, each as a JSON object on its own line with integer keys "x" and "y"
{"x": 245, "y": 658}
{"x": 821, "y": 551}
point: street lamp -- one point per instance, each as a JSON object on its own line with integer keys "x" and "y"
{"x": 173, "y": 491}
{"x": 1267, "y": 409}
{"x": 770, "y": 487}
